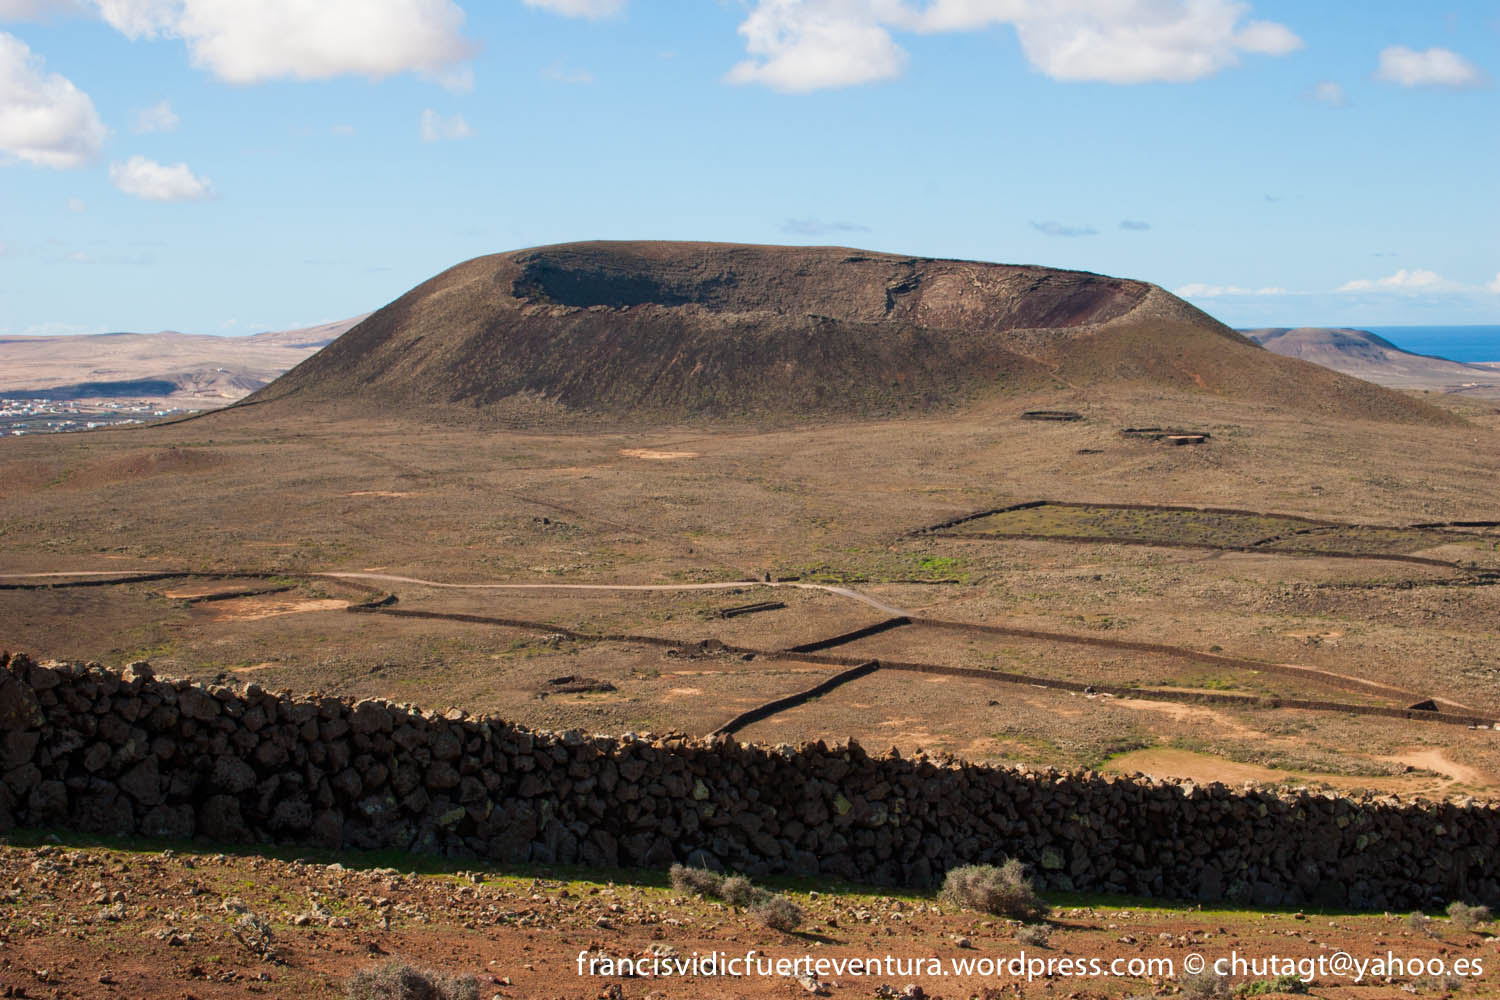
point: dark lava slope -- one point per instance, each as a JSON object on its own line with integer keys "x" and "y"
{"x": 723, "y": 331}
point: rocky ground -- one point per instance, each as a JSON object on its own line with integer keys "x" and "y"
{"x": 85, "y": 919}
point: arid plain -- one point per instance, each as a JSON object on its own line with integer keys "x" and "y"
{"x": 1292, "y": 581}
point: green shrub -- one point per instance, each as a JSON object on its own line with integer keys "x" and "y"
{"x": 1281, "y": 984}
{"x": 398, "y": 981}
{"x": 1004, "y": 891}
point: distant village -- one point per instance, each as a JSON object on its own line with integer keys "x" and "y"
{"x": 20, "y": 416}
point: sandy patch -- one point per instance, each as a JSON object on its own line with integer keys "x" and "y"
{"x": 1179, "y": 712}
{"x": 251, "y": 609}
{"x": 377, "y": 493}
{"x": 684, "y": 692}
{"x": 253, "y": 668}
{"x": 1167, "y": 762}
{"x": 1434, "y": 759}
{"x": 657, "y": 456}
{"x": 196, "y": 590}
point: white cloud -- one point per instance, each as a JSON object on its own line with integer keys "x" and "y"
{"x": 1329, "y": 93}
{"x": 152, "y": 181}
{"x": 435, "y": 127}
{"x": 801, "y": 45}
{"x": 158, "y": 118}
{"x": 1433, "y": 68}
{"x": 797, "y": 46}
{"x": 1493, "y": 286}
{"x": 1403, "y": 282}
{"x": 1201, "y": 291}
{"x": 342, "y": 128}
{"x": 580, "y": 8}
{"x": 44, "y": 119}
{"x": 243, "y": 42}
{"x": 77, "y": 205}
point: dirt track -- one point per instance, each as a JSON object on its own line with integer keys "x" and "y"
{"x": 811, "y": 652}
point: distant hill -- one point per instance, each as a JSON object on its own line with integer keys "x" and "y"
{"x": 1371, "y": 357}
{"x": 188, "y": 370}
{"x": 665, "y": 331}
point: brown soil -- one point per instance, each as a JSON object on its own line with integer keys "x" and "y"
{"x": 1205, "y": 769}
{"x": 98, "y": 922}
{"x": 249, "y": 609}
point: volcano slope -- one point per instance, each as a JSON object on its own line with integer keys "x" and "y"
{"x": 644, "y": 332}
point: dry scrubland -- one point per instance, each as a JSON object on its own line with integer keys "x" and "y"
{"x": 834, "y": 504}
{"x": 288, "y": 514}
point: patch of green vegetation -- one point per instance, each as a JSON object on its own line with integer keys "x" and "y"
{"x": 1191, "y": 527}
{"x": 939, "y": 564}
{"x": 1165, "y": 526}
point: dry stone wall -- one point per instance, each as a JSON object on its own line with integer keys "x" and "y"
{"x": 108, "y": 752}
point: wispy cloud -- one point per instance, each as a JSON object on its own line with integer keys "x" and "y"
{"x": 559, "y": 73}
{"x": 818, "y": 227}
{"x": 1329, "y": 93}
{"x": 592, "y": 9}
{"x": 435, "y": 127}
{"x": 1052, "y": 228}
{"x": 1202, "y": 291}
{"x": 1134, "y": 225}
{"x": 159, "y": 117}
{"x": 1403, "y": 282}
{"x": 1433, "y": 68}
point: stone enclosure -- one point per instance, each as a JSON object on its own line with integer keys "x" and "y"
{"x": 127, "y": 753}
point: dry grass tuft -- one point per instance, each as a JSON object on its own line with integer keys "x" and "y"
{"x": 1004, "y": 891}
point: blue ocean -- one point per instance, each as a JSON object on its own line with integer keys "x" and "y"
{"x": 1456, "y": 343}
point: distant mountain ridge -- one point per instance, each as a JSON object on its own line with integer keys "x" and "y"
{"x": 651, "y": 332}
{"x": 1370, "y": 356}
{"x": 196, "y": 370}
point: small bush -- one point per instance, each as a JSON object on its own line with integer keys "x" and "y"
{"x": 1420, "y": 923}
{"x": 1466, "y": 917}
{"x": 398, "y": 981}
{"x": 1279, "y": 985}
{"x": 1204, "y": 986}
{"x": 1004, "y": 891}
{"x": 779, "y": 913}
{"x": 1034, "y": 935}
{"x": 698, "y": 881}
{"x": 1438, "y": 984}
{"x": 737, "y": 891}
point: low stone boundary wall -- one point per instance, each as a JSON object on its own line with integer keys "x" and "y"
{"x": 108, "y": 752}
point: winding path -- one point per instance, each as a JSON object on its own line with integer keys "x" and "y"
{"x": 845, "y": 592}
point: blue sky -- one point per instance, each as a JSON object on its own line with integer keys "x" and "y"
{"x": 229, "y": 166}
